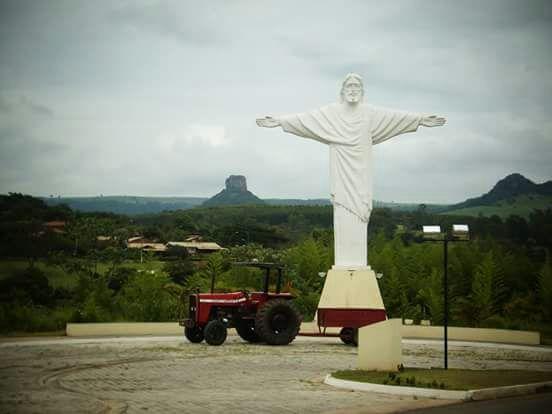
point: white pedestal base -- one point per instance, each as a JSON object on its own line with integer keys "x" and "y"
{"x": 354, "y": 288}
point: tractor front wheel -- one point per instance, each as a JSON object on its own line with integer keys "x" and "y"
{"x": 215, "y": 333}
{"x": 246, "y": 330}
{"x": 277, "y": 322}
{"x": 194, "y": 335}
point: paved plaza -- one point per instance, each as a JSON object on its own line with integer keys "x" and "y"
{"x": 169, "y": 374}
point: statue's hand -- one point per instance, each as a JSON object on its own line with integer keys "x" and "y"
{"x": 268, "y": 122}
{"x": 433, "y": 121}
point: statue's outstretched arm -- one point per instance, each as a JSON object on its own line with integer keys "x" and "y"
{"x": 305, "y": 125}
{"x": 268, "y": 122}
{"x": 433, "y": 121}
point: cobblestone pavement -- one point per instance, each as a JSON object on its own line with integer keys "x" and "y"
{"x": 172, "y": 375}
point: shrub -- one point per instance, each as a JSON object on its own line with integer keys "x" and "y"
{"x": 495, "y": 322}
{"x": 25, "y": 318}
{"x": 307, "y": 304}
{"x": 119, "y": 277}
{"x": 94, "y": 300}
{"x": 179, "y": 270}
{"x": 145, "y": 299}
{"x": 29, "y": 286}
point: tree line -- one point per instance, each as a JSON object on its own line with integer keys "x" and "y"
{"x": 502, "y": 278}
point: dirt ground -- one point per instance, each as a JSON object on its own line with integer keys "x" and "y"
{"x": 169, "y": 374}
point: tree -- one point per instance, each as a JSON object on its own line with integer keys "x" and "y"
{"x": 213, "y": 269}
{"x": 545, "y": 289}
{"x": 482, "y": 289}
{"x": 431, "y": 296}
{"x": 180, "y": 268}
{"x": 27, "y": 287}
{"x": 305, "y": 262}
{"x": 517, "y": 229}
{"x": 146, "y": 299}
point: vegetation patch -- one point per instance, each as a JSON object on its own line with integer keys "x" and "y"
{"x": 451, "y": 379}
{"x": 84, "y": 272}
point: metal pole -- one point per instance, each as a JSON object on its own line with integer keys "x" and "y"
{"x": 445, "y": 293}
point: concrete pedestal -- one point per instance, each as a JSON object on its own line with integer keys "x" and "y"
{"x": 350, "y": 298}
{"x": 380, "y": 346}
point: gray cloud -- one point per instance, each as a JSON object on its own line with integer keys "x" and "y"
{"x": 159, "y": 97}
{"x": 20, "y": 106}
{"x": 36, "y": 108}
{"x": 195, "y": 24}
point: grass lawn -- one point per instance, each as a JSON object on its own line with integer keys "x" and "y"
{"x": 451, "y": 379}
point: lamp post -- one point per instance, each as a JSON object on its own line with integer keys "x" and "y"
{"x": 460, "y": 232}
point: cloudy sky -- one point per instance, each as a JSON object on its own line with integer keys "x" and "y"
{"x": 160, "y": 97}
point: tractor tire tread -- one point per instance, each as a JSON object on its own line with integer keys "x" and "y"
{"x": 215, "y": 332}
{"x": 262, "y": 322}
{"x": 194, "y": 335}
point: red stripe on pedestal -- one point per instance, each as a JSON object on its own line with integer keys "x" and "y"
{"x": 352, "y": 318}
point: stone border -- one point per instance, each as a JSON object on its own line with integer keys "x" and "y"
{"x": 310, "y": 328}
{"x": 470, "y": 395}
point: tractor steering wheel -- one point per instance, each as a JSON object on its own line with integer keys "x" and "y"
{"x": 246, "y": 293}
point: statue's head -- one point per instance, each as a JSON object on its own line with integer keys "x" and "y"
{"x": 352, "y": 89}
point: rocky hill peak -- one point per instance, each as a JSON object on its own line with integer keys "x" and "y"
{"x": 512, "y": 185}
{"x": 234, "y": 193}
{"x": 236, "y": 183}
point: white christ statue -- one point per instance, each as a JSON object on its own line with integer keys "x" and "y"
{"x": 350, "y": 128}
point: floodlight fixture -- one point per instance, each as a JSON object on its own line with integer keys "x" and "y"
{"x": 321, "y": 275}
{"x": 379, "y": 275}
{"x": 460, "y": 232}
{"x": 433, "y": 233}
{"x": 432, "y": 229}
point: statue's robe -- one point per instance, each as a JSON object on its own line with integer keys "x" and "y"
{"x": 350, "y": 137}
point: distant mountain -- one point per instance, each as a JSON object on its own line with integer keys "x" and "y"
{"x": 509, "y": 187}
{"x": 234, "y": 193}
{"x": 514, "y": 194}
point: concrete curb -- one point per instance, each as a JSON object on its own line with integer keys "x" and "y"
{"x": 396, "y": 390}
{"x": 471, "y": 395}
{"x": 509, "y": 391}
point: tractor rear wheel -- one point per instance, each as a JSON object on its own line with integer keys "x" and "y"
{"x": 194, "y": 335}
{"x": 246, "y": 330}
{"x": 215, "y": 332}
{"x": 349, "y": 336}
{"x": 277, "y": 322}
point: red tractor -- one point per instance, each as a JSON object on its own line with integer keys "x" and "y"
{"x": 265, "y": 316}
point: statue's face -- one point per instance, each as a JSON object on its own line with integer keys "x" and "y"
{"x": 352, "y": 91}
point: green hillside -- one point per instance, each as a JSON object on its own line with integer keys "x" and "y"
{"x": 521, "y": 205}
{"x": 126, "y": 204}
{"x": 232, "y": 198}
